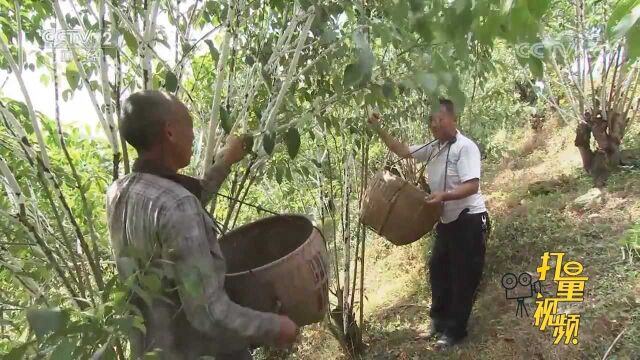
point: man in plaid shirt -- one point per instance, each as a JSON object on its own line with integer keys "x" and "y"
{"x": 165, "y": 244}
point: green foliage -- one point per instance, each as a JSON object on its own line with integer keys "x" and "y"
{"x": 269, "y": 142}
{"x": 292, "y": 139}
{"x": 352, "y": 75}
{"x": 622, "y": 17}
{"x": 396, "y": 56}
{"x": 623, "y": 22}
{"x": 170, "y": 81}
{"x": 46, "y": 321}
{"x": 73, "y": 76}
{"x": 631, "y": 237}
{"x": 131, "y": 41}
{"x": 225, "y": 120}
{"x": 215, "y": 55}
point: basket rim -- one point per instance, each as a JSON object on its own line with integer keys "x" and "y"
{"x": 314, "y": 230}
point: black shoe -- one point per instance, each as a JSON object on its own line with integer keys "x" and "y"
{"x": 446, "y": 341}
{"x": 430, "y": 334}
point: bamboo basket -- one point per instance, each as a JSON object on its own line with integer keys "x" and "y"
{"x": 278, "y": 264}
{"x": 397, "y": 210}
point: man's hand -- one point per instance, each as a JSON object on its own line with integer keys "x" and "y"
{"x": 461, "y": 191}
{"x": 436, "y": 197}
{"x": 374, "y": 120}
{"x": 397, "y": 147}
{"x": 288, "y": 332}
{"x": 234, "y": 150}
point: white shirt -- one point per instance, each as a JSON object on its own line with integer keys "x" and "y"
{"x": 463, "y": 165}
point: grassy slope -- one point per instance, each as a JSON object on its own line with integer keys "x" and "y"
{"x": 524, "y": 226}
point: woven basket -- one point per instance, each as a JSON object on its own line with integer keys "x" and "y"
{"x": 278, "y": 264}
{"x": 397, "y": 210}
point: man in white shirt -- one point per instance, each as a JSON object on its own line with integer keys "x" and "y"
{"x": 457, "y": 259}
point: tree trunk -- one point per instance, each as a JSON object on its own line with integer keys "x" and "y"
{"x": 608, "y": 136}
{"x": 583, "y": 143}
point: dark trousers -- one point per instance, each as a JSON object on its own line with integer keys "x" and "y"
{"x": 455, "y": 270}
{"x": 244, "y": 354}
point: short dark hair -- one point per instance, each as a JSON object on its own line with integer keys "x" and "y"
{"x": 447, "y": 105}
{"x": 144, "y": 115}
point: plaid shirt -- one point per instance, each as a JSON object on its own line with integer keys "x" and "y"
{"x": 162, "y": 236}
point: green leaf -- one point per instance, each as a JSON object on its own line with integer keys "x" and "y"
{"x": 212, "y": 50}
{"x": 462, "y": 48}
{"x": 306, "y": 118}
{"x": 64, "y": 350}
{"x": 225, "y": 120}
{"x": 292, "y": 139}
{"x": 191, "y": 279}
{"x": 428, "y": 81}
{"x": 111, "y": 52}
{"x": 388, "y": 89}
{"x": 423, "y": 28}
{"x": 446, "y": 78}
{"x": 65, "y": 94}
{"x": 538, "y": 8}
{"x": 377, "y": 92}
{"x": 288, "y": 174}
{"x": 18, "y": 353}
{"x": 459, "y": 5}
{"x": 279, "y": 173}
{"x": 305, "y": 3}
{"x": 185, "y": 47}
{"x": 352, "y": 75}
{"x": 323, "y": 66}
{"x": 458, "y": 97}
{"x": 621, "y": 9}
{"x": 44, "y": 79}
{"x": 278, "y": 4}
{"x": 319, "y": 20}
{"x": 416, "y": 5}
{"x": 489, "y": 28}
{"x": 305, "y": 171}
{"x": 269, "y": 142}
{"x": 170, "y": 81}
{"x": 45, "y": 321}
{"x": 536, "y": 67}
{"x": 400, "y": 11}
{"x": 506, "y": 6}
{"x": 152, "y": 283}
{"x": 633, "y": 43}
{"x": 328, "y": 36}
{"x": 370, "y": 99}
{"x": 626, "y": 23}
{"x": 131, "y": 41}
{"x": 73, "y": 76}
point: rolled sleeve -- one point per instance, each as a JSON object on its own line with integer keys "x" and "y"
{"x": 469, "y": 162}
{"x": 199, "y": 277}
{"x": 213, "y": 179}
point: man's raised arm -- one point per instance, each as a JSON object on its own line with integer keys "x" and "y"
{"x": 216, "y": 174}
{"x": 396, "y": 146}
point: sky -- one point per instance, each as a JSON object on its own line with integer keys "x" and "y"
{"x": 78, "y": 110}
